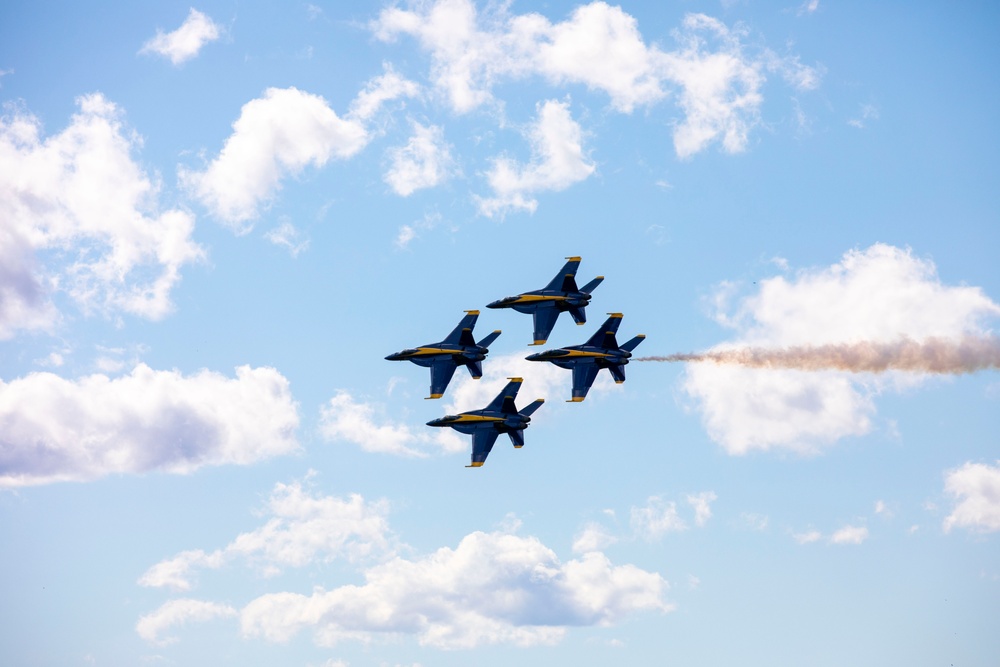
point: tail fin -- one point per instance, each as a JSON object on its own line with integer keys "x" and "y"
{"x": 488, "y": 339}
{"x": 592, "y": 285}
{"x": 634, "y": 343}
{"x": 530, "y": 408}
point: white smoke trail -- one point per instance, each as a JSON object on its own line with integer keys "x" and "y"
{"x": 932, "y": 355}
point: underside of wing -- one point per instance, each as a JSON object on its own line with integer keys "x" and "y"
{"x": 544, "y": 319}
{"x": 583, "y": 378}
{"x": 441, "y": 373}
{"x": 482, "y": 444}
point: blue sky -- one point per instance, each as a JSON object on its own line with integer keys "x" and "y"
{"x": 215, "y": 222}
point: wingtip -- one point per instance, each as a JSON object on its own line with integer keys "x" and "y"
{"x": 575, "y": 258}
{"x": 475, "y": 464}
{"x": 576, "y": 399}
{"x": 516, "y": 379}
{"x": 433, "y": 396}
{"x": 539, "y": 342}
{"x": 472, "y": 312}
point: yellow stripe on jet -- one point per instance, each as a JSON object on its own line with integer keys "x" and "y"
{"x": 475, "y": 418}
{"x": 582, "y": 353}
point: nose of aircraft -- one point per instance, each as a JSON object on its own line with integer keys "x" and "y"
{"x": 538, "y": 356}
{"x": 443, "y": 421}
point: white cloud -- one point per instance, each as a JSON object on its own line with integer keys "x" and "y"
{"x": 53, "y": 429}
{"x": 849, "y": 535}
{"x": 409, "y": 232}
{"x": 868, "y": 112}
{"x": 600, "y": 47}
{"x": 593, "y": 537}
{"x": 185, "y": 42}
{"x": 882, "y": 293}
{"x": 845, "y": 535}
{"x": 493, "y": 588}
{"x": 702, "y": 504}
{"x": 287, "y": 236}
{"x": 657, "y": 518}
{"x": 720, "y": 90}
{"x": 80, "y": 216}
{"x": 808, "y": 537}
{"x": 424, "y": 162}
{"x": 275, "y": 136}
{"x": 975, "y": 488}
{"x": 343, "y": 418}
{"x": 179, "y": 612}
{"x": 381, "y": 89}
{"x": 755, "y": 521}
{"x": 302, "y": 529}
{"x": 557, "y": 162}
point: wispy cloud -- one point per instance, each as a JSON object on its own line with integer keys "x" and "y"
{"x": 975, "y": 489}
{"x": 184, "y": 43}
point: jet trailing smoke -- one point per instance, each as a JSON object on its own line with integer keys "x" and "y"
{"x": 932, "y": 355}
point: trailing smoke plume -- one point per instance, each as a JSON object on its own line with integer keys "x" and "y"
{"x": 932, "y": 355}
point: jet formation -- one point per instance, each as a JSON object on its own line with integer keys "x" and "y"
{"x": 544, "y": 305}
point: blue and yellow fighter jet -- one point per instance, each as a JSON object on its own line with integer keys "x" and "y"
{"x": 459, "y": 348}
{"x": 601, "y": 351}
{"x": 487, "y": 424}
{"x": 558, "y": 296}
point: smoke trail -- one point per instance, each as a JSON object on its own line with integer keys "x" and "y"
{"x": 933, "y": 355}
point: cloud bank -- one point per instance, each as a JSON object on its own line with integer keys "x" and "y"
{"x": 53, "y": 429}
{"x": 877, "y": 309}
{"x": 80, "y": 217}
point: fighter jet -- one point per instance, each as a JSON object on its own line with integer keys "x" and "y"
{"x": 601, "y": 351}
{"x": 459, "y": 348}
{"x": 558, "y": 296}
{"x": 487, "y": 424}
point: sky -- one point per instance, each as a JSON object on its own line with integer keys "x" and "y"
{"x": 217, "y": 220}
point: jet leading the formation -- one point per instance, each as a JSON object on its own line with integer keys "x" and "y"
{"x": 458, "y": 349}
{"x": 558, "y": 296}
{"x": 601, "y": 351}
{"x": 500, "y": 416}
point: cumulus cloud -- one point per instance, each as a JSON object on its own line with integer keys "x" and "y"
{"x": 80, "y": 216}
{"x": 717, "y": 82}
{"x": 558, "y": 161}
{"x": 975, "y": 489}
{"x": 276, "y": 135}
{"x": 344, "y": 418}
{"x": 880, "y": 294}
{"x": 849, "y": 535}
{"x": 302, "y": 528}
{"x": 424, "y": 162}
{"x": 53, "y": 429}
{"x": 593, "y": 537}
{"x": 492, "y": 588}
{"x": 185, "y": 42}
{"x": 153, "y": 625}
{"x": 384, "y": 88}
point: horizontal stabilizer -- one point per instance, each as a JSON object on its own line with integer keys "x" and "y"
{"x": 634, "y": 343}
{"x": 475, "y": 369}
{"x": 517, "y": 439}
{"x": 578, "y": 314}
{"x": 592, "y": 285}
{"x": 530, "y": 408}
{"x": 488, "y": 339}
{"x": 617, "y": 372}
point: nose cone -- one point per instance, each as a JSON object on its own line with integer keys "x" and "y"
{"x": 495, "y": 304}
{"x": 395, "y": 356}
{"x": 538, "y": 356}
{"x": 443, "y": 421}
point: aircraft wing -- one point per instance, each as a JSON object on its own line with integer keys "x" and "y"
{"x": 482, "y": 443}
{"x": 565, "y": 280}
{"x": 545, "y": 319}
{"x": 505, "y": 399}
{"x": 584, "y": 375}
{"x": 462, "y": 334}
{"x": 441, "y": 374}
{"x": 605, "y": 336}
